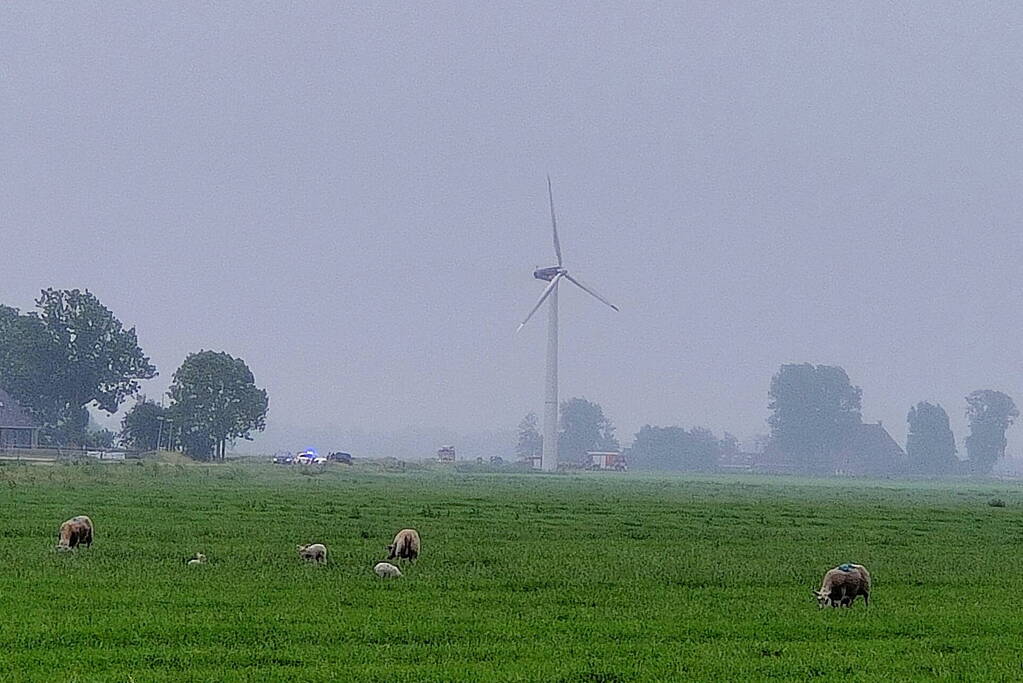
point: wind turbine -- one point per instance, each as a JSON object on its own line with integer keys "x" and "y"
{"x": 553, "y": 275}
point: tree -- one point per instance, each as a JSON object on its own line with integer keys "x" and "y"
{"x": 530, "y": 444}
{"x": 28, "y": 364}
{"x": 584, "y": 427}
{"x": 145, "y": 426}
{"x": 70, "y": 353}
{"x": 99, "y": 438}
{"x": 813, "y": 409}
{"x": 673, "y": 448}
{"x": 930, "y": 445}
{"x": 990, "y": 413}
{"x": 214, "y": 399}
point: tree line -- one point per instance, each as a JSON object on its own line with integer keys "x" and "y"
{"x": 584, "y": 427}
{"x": 815, "y": 411}
{"x": 71, "y": 353}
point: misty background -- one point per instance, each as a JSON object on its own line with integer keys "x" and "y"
{"x": 353, "y": 200}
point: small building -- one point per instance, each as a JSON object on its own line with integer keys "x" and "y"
{"x": 446, "y": 454}
{"x": 738, "y": 461}
{"x": 17, "y": 428}
{"x": 534, "y": 461}
{"x": 607, "y": 460}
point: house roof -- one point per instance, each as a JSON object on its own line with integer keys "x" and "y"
{"x": 13, "y": 415}
{"x": 872, "y": 438}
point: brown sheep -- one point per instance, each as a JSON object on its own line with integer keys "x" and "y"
{"x": 842, "y": 585}
{"x": 406, "y": 545}
{"x": 317, "y": 552}
{"x": 74, "y": 532}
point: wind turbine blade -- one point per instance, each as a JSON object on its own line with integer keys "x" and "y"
{"x": 543, "y": 297}
{"x": 589, "y": 291}
{"x": 554, "y": 222}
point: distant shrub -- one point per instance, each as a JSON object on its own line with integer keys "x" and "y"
{"x": 996, "y": 503}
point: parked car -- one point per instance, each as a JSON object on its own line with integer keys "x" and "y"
{"x": 310, "y": 456}
{"x": 341, "y": 457}
{"x": 283, "y": 458}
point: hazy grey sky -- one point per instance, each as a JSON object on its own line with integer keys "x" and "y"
{"x": 352, "y": 199}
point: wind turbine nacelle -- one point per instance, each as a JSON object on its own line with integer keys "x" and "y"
{"x": 548, "y": 274}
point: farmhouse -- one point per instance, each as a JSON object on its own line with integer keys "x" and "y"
{"x": 17, "y": 428}
{"x": 869, "y": 449}
{"x": 866, "y": 449}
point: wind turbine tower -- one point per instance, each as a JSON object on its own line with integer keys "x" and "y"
{"x": 553, "y": 275}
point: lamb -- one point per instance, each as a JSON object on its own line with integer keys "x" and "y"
{"x": 406, "y": 545}
{"x": 386, "y": 570}
{"x": 317, "y": 552}
{"x": 842, "y": 585}
{"x": 74, "y": 532}
{"x": 198, "y": 559}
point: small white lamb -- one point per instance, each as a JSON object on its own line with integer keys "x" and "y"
{"x": 386, "y": 570}
{"x": 316, "y": 552}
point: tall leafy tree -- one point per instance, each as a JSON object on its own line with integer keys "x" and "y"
{"x": 215, "y": 399}
{"x": 930, "y": 445}
{"x": 813, "y": 407}
{"x": 584, "y": 427}
{"x": 675, "y": 449}
{"x": 28, "y": 364}
{"x": 80, "y": 354}
{"x": 146, "y": 426}
{"x": 990, "y": 414}
{"x": 530, "y": 443}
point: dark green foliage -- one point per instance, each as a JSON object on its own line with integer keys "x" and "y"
{"x": 674, "y": 448}
{"x": 530, "y": 443}
{"x": 214, "y": 399}
{"x": 28, "y": 363}
{"x": 812, "y": 409}
{"x": 930, "y": 445}
{"x": 990, "y": 414}
{"x": 99, "y": 438}
{"x": 100, "y": 360}
{"x": 584, "y": 427}
{"x": 70, "y": 353}
{"x": 146, "y": 426}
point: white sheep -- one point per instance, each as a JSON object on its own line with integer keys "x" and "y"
{"x": 198, "y": 559}
{"x": 317, "y": 552}
{"x": 386, "y": 570}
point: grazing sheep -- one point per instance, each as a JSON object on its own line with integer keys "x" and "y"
{"x": 406, "y": 545}
{"x": 386, "y": 570}
{"x": 74, "y": 532}
{"x": 317, "y": 552}
{"x": 198, "y": 559}
{"x": 842, "y": 585}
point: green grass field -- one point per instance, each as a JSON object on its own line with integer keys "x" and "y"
{"x": 523, "y": 577}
